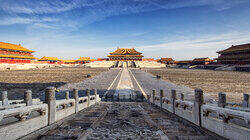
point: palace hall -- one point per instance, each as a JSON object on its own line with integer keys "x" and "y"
{"x": 12, "y": 53}
{"x": 239, "y": 54}
{"x": 125, "y": 54}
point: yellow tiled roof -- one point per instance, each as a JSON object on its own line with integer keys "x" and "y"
{"x": 69, "y": 61}
{"x": 14, "y": 56}
{"x": 167, "y": 59}
{"x": 49, "y": 58}
{"x": 236, "y": 48}
{"x": 202, "y": 59}
{"x": 125, "y": 55}
{"x": 13, "y": 47}
{"x": 84, "y": 59}
{"x": 122, "y": 51}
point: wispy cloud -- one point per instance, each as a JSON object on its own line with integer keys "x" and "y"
{"x": 57, "y": 6}
{"x": 187, "y": 48}
{"x": 88, "y": 11}
{"x": 61, "y": 17}
{"x": 43, "y": 6}
{"x": 23, "y": 20}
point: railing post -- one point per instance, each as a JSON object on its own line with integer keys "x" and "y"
{"x": 88, "y": 95}
{"x": 161, "y": 96}
{"x": 153, "y": 99}
{"x": 222, "y": 100}
{"x": 149, "y": 97}
{"x": 76, "y": 97}
{"x": 197, "y": 106}
{"x": 95, "y": 92}
{"x": 182, "y": 96}
{"x": 245, "y": 102}
{"x": 51, "y": 101}
{"x": 67, "y": 95}
{"x": 4, "y": 98}
{"x": 173, "y": 97}
{"x": 28, "y": 97}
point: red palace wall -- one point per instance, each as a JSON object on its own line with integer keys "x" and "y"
{"x": 14, "y": 61}
{"x": 18, "y": 53}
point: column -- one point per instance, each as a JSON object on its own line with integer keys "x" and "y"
{"x": 245, "y": 102}
{"x": 51, "y": 101}
{"x": 222, "y": 100}
{"x": 28, "y": 97}
{"x": 182, "y": 96}
{"x": 197, "y": 106}
{"x": 161, "y": 96}
{"x": 173, "y": 97}
{"x": 153, "y": 99}
{"x": 76, "y": 97}
{"x": 4, "y": 98}
{"x": 67, "y": 95}
{"x": 88, "y": 95}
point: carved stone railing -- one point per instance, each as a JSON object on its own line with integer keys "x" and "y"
{"x": 17, "y": 103}
{"x": 26, "y": 116}
{"x": 157, "y": 100}
{"x": 18, "y": 122}
{"x": 185, "y": 110}
{"x": 228, "y": 122}
{"x": 167, "y": 104}
{"x": 92, "y": 100}
{"x": 64, "y": 108}
{"x": 83, "y": 103}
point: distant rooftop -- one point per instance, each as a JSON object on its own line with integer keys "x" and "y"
{"x": 125, "y": 51}
{"x": 45, "y": 58}
{"x": 14, "y": 47}
{"x": 236, "y": 48}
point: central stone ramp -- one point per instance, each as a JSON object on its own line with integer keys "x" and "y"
{"x": 124, "y": 90}
{"x": 134, "y": 120}
{"x": 121, "y": 120}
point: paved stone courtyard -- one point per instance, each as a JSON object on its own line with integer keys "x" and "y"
{"x": 139, "y": 121}
{"x": 17, "y": 81}
{"x": 233, "y": 83}
{"x": 149, "y": 82}
{"x": 123, "y": 120}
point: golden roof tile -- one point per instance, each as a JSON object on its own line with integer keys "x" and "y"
{"x": 84, "y": 59}
{"x": 236, "y": 48}
{"x": 14, "y": 56}
{"x": 123, "y": 51}
{"x": 10, "y": 46}
{"x": 49, "y": 59}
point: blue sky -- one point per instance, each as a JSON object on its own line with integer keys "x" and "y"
{"x": 182, "y": 29}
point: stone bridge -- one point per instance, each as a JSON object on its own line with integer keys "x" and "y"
{"x": 129, "y": 109}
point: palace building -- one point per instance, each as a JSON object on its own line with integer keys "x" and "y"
{"x": 125, "y": 54}
{"x": 51, "y": 60}
{"x": 83, "y": 60}
{"x": 202, "y": 61}
{"x": 239, "y": 54}
{"x": 167, "y": 60}
{"x": 12, "y": 53}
